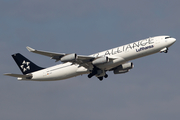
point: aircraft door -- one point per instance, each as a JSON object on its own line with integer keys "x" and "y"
{"x": 46, "y": 72}
{"x": 158, "y": 41}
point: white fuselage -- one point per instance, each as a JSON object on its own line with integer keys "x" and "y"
{"x": 120, "y": 55}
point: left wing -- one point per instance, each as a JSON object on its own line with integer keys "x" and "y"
{"x": 80, "y": 59}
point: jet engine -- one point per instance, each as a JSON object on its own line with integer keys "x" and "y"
{"x": 69, "y": 57}
{"x": 123, "y": 68}
{"x": 100, "y": 60}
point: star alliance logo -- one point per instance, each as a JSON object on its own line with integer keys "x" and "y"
{"x": 25, "y": 66}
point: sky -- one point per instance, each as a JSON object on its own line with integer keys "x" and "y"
{"x": 150, "y": 91}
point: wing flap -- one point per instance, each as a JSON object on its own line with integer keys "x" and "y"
{"x": 85, "y": 58}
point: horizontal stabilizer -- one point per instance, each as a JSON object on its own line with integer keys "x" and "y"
{"x": 29, "y": 76}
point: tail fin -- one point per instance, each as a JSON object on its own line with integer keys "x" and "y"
{"x": 25, "y": 65}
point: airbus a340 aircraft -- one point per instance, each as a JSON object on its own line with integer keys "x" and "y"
{"x": 115, "y": 59}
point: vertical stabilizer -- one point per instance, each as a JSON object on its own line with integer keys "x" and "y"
{"x": 25, "y": 65}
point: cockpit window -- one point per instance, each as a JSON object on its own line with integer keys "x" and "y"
{"x": 167, "y": 37}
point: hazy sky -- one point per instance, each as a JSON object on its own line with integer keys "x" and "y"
{"x": 150, "y": 91}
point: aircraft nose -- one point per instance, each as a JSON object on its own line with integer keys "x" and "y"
{"x": 173, "y": 40}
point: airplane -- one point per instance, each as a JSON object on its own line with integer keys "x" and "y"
{"x": 115, "y": 59}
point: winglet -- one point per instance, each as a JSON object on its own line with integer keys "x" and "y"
{"x": 30, "y": 49}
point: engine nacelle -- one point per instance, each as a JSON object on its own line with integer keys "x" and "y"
{"x": 69, "y": 58}
{"x": 120, "y": 71}
{"x": 100, "y": 60}
{"x": 123, "y": 68}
